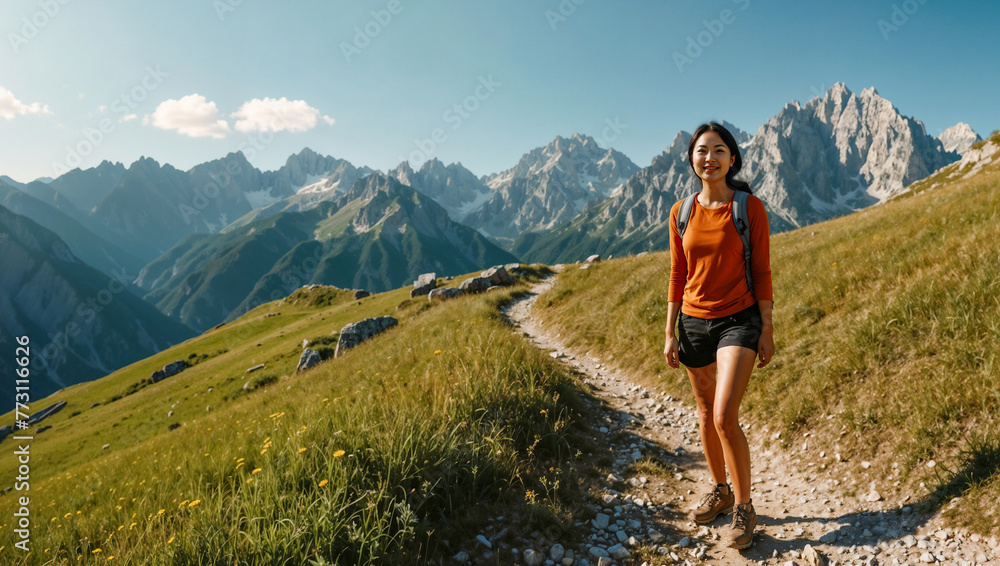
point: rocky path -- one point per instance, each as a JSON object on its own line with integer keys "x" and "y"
{"x": 803, "y": 516}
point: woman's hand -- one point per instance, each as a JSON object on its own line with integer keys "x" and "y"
{"x": 765, "y": 346}
{"x": 671, "y": 351}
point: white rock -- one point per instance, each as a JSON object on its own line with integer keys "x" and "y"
{"x": 655, "y": 537}
{"x": 557, "y": 552}
{"x": 619, "y": 552}
{"x": 873, "y": 496}
{"x": 927, "y": 558}
{"x": 684, "y": 542}
{"x": 601, "y": 521}
{"x": 811, "y": 556}
{"x": 596, "y": 552}
{"x": 866, "y": 464}
{"x": 942, "y": 535}
{"x": 532, "y": 558}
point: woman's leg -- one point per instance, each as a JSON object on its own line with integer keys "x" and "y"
{"x": 703, "y": 384}
{"x": 735, "y": 364}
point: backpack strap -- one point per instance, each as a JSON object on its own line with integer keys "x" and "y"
{"x": 741, "y": 219}
{"x": 684, "y": 214}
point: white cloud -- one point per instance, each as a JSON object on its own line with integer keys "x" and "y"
{"x": 11, "y": 107}
{"x": 127, "y": 118}
{"x": 276, "y": 115}
{"x": 192, "y": 116}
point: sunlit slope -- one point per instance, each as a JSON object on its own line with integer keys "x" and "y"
{"x": 354, "y": 461}
{"x": 887, "y": 325}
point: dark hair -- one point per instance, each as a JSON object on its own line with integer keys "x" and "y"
{"x": 730, "y": 142}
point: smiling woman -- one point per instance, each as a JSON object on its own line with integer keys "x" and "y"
{"x": 722, "y": 295}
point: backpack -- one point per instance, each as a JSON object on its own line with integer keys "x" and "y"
{"x": 740, "y": 219}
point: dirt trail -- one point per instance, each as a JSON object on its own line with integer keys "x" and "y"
{"x": 798, "y": 503}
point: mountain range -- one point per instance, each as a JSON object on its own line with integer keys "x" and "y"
{"x": 831, "y": 156}
{"x": 376, "y": 236}
{"x": 81, "y": 323}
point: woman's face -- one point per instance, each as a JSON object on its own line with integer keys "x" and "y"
{"x": 712, "y": 158}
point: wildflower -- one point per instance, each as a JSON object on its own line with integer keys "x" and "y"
{"x": 249, "y": 480}
{"x": 160, "y": 512}
{"x": 96, "y": 551}
{"x": 301, "y": 450}
{"x": 436, "y": 352}
{"x": 263, "y": 451}
{"x": 194, "y": 503}
{"x": 323, "y": 483}
{"x": 339, "y": 454}
{"x": 255, "y": 471}
{"x": 241, "y": 459}
{"x": 240, "y": 464}
{"x": 130, "y": 527}
{"x": 171, "y": 540}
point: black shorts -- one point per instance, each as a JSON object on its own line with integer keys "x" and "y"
{"x": 700, "y": 338}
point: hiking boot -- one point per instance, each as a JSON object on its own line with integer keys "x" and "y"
{"x": 740, "y": 533}
{"x": 714, "y": 503}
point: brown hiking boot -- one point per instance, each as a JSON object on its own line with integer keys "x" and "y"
{"x": 714, "y": 503}
{"x": 740, "y": 533}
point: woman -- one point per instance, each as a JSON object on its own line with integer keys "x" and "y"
{"x": 724, "y": 322}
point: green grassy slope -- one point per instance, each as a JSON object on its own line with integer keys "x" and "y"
{"x": 887, "y": 332}
{"x": 363, "y": 459}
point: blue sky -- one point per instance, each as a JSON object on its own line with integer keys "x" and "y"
{"x": 379, "y": 81}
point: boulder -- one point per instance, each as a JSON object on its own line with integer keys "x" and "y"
{"x": 594, "y": 258}
{"x": 514, "y": 269}
{"x": 444, "y": 294}
{"x": 424, "y": 284}
{"x": 308, "y": 359}
{"x": 426, "y": 279}
{"x": 257, "y": 367}
{"x": 361, "y": 293}
{"x": 173, "y": 368}
{"x": 46, "y": 412}
{"x": 357, "y": 332}
{"x": 475, "y": 284}
{"x": 497, "y": 276}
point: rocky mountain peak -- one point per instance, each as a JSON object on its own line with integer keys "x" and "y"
{"x": 959, "y": 138}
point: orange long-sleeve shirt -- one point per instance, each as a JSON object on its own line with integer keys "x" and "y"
{"x": 707, "y": 272}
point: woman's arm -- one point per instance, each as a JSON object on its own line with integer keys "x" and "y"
{"x": 672, "y": 348}
{"x": 765, "y": 346}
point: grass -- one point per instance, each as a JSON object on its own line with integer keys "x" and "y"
{"x": 366, "y": 459}
{"x": 887, "y": 328}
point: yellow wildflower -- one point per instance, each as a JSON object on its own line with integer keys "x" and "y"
{"x": 255, "y": 471}
{"x": 96, "y": 551}
{"x": 171, "y": 540}
{"x": 301, "y": 450}
{"x": 323, "y": 483}
{"x": 339, "y": 454}
{"x": 194, "y": 503}
{"x": 436, "y": 352}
